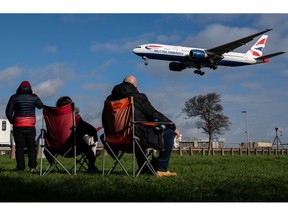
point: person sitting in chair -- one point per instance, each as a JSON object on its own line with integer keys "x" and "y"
{"x": 144, "y": 111}
{"x": 82, "y": 128}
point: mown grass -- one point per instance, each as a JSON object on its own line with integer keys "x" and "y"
{"x": 261, "y": 178}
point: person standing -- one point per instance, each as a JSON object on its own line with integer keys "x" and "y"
{"x": 20, "y": 112}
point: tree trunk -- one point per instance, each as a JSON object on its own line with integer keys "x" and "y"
{"x": 210, "y": 144}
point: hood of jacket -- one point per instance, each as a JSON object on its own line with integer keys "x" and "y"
{"x": 24, "y": 88}
{"x": 124, "y": 89}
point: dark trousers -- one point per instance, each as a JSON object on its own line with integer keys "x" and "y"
{"x": 162, "y": 161}
{"x": 81, "y": 147}
{"x": 25, "y": 137}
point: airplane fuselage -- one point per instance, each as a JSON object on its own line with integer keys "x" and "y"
{"x": 183, "y": 54}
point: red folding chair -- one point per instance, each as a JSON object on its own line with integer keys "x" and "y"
{"x": 59, "y": 138}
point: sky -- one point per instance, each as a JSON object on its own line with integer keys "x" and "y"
{"x": 83, "y": 55}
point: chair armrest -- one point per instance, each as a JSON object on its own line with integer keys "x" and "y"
{"x": 151, "y": 124}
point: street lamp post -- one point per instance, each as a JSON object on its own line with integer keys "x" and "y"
{"x": 246, "y": 131}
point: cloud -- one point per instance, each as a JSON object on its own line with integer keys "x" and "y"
{"x": 9, "y": 74}
{"x": 124, "y": 45}
{"x": 56, "y": 70}
{"x": 51, "y": 49}
{"x": 48, "y": 88}
{"x": 221, "y": 35}
{"x": 118, "y": 47}
{"x": 233, "y": 77}
{"x": 251, "y": 85}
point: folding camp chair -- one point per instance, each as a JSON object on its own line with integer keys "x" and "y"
{"x": 59, "y": 139}
{"x": 119, "y": 133}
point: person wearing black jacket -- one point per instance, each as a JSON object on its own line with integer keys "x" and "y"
{"x": 144, "y": 111}
{"x": 20, "y": 112}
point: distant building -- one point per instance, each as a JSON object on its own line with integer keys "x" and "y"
{"x": 187, "y": 142}
{"x": 5, "y": 133}
{"x": 256, "y": 144}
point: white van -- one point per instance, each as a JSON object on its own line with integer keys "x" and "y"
{"x": 5, "y": 133}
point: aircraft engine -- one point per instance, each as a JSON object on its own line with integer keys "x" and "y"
{"x": 197, "y": 54}
{"x": 176, "y": 66}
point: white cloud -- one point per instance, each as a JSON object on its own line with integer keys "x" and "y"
{"x": 9, "y": 74}
{"x": 48, "y": 88}
{"x": 221, "y": 34}
{"x": 251, "y": 85}
{"x": 51, "y": 49}
{"x": 126, "y": 44}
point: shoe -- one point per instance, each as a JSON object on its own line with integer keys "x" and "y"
{"x": 164, "y": 174}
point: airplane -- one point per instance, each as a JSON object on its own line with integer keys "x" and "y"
{"x": 188, "y": 57}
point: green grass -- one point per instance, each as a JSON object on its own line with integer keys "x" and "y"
{"x": 217, "y": 178}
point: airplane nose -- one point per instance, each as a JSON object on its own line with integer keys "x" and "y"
{"x": 134, "y": 50}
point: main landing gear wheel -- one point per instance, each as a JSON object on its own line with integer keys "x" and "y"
{"x": 199, "y": 72}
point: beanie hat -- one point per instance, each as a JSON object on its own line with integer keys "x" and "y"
{"x": 25, "y": 84}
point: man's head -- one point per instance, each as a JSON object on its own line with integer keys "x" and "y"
{"x": 132, "y": 80}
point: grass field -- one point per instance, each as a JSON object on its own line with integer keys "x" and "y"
{"x": 255, "y": 178}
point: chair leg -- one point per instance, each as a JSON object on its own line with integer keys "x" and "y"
{"x": 147, "y": 162}
{"x": 117, "y": 161}
{"x": 56, "y": 162}
{"x": 103, "y": 162}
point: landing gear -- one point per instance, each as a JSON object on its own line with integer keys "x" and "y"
{"x": 199, "y": 72}
{"x": 145, "y": 60}
{"x": 214, "y": 67}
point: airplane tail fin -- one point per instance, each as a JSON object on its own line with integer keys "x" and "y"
{"x": 256, "y": 50}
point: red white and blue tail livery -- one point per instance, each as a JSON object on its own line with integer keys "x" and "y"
{"x": 224, "y": 55}
{"x": 257, "y": 50}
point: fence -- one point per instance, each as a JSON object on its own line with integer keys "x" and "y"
{"x": 191, "y": 151}
{"x": 230, "y": 151}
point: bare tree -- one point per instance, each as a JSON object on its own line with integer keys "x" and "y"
{"x": 209, "y": 112}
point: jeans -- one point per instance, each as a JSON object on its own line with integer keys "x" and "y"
{"x": 25, "y": 137}
{"x": 164, "y": 156}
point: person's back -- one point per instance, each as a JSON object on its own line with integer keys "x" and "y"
{"x": 20, "y": 109}
{"x": 20, "y": 112}
{"x": 144, "y": 111}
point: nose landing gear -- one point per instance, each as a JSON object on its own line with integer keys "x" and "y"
{"x": 145, "y": 60}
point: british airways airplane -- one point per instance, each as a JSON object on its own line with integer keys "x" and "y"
{"x": 188, "y": 57}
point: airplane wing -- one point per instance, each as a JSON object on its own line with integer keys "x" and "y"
{"x": 217, "y": 52}
{"x": 270, "y": 55}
